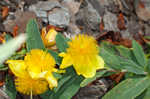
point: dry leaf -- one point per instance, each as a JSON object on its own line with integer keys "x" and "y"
{"x": 5, "y": 11}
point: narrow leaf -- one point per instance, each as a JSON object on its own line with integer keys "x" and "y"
{"x": 113, "y": 61}
{"x": 10, "y": 88}
{"x": 34, "y": 40}
{"x": 55, "y": 55}
{"x": 139, "y": 53}
{"x": 69, "y": 88}
{"x": 129, "y": 88}
{"x": 131, "y": 66}
{"x": 61, "y": 42}
{"x": 125, "y": 52}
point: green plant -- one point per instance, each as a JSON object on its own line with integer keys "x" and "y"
{"x": 134, "y": 63}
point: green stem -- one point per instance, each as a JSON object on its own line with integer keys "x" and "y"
{"x": 31, "y": 95}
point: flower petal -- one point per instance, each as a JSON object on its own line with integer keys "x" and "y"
{"x": 18, "y": 67}
{"x": 100, "y": 64}
{"x": 62, "y": 54}
{"x": 37, "y": 75}
{"x": 50, "y": 37}
{"x": 86, "y": 70}
{"x": 66, "y": 62}
{"x": 27, "y": 84}
{"x": 51, "y": 80}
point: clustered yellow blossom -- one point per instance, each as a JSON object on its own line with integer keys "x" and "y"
{"x": 34, "y": 73}
{"x": 83, "y": 55}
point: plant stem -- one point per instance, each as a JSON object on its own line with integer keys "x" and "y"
{"x": 31, "y": 95}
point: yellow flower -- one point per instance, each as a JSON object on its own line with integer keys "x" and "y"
{"x": 41, "y": 65}
{"x": 49, "y": 38}
{"x": 29, "y": 85}
{"x": 83, "y": 55}
{"x": 24, "y": 83}
{"x": 36, "y": 69}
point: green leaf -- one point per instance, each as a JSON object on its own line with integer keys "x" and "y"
{"x": 69, "y": 89}
{"x": 131, "y": 66}
{"x": 56, "y": 75}
{"x": 128, "y": 89}
{"x": 10, "y": 47}
{"x": 68, "y": 85}
{"x": 47, "y": 95}
{"x": 145, "y": 94}
{"x": 147, "y": 69}
{"x": 10, "y": 88}
{"x": 147, "y": 37}
{"x": 55, "y": 55}
{"x": 113, "y": 61}
{"x": 109, "y": 47}
{"x": 3, "y": 68}
{"x": 125, "y": 52}
{"x": 89, "y": 80}
{"x": 66, "y": 77}
{"x": 34, "y": 40}
{"x": 139, "y": 53}
{"x": 61, "y": 42}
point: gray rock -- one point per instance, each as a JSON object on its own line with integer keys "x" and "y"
{"x": 51, "y": 12}
{"x": 46, "y": 5}
{"x": 59, "y": 17}
{"x": 110, "y": 22}
{"x": 94, "y": 91}
{"x": 21, "y": 20}
{"x": 88, "y": 18}
{"x": 126, "y": 34}
{"x": 143, "y": 9}
{"x": 147, "y": 30}
{"x": 41, "y": 8}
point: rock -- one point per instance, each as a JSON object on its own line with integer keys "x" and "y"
{"x": 3, "y": 94}
{"x": 2, "y": 27}
{"x": 41, "y": 8}
{"x": 59, "y": 17}
{"x": 51, "y": 12}
{"x": 133, "y": 27}
{"x": 94, "y": 91}
{"x": 147, "y": 30}
{"x": 110, "y": 22}
{"x": 126, "y": 34}
{"x": 143, "y": 9}
{"x": 72, "y": 5}
{"x": 21, "y": 20}
{"x": 88, "y": 18}
{"x": 45, "y": 5}
{"x": 29, "y": 2}
{"x": 126, "y": 6}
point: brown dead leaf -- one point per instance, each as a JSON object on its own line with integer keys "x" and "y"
{"x": 117, "y": 77}
{"x": 1, "y": 83}
{"x": 101, "y": 26}
{"x": 114, "y": 38}
{"x": 56, "y": 28}
{"x": 15, "y": 31}
{"x": 141, "y": 5}
{"x": 121, "y": 22}
{"x": 5, "y": 11}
